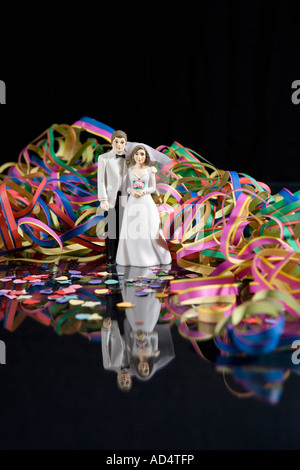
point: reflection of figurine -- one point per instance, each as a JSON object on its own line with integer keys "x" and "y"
{"x": 112, "y": 171}
{"x": 144, "y": 350}
{"x": 115, "y": 353}
{"x": 115, "y": 340}
{"x": 133, "y": 343}
{"x": 141, "y": 240}
{"x": 152, "y": 353}
{"x": 150, "y": 344}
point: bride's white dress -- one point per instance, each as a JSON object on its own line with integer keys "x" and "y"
{"x": 141, "y": 241}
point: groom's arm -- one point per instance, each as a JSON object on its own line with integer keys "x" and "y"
{"x": 102, "y": 190}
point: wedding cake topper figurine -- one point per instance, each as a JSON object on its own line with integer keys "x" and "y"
{"x": 112, "y": 170}
{"x": 113, "y": 193}
{"x": 141, "y": 239}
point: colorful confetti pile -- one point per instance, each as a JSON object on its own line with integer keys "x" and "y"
{"x": 72, "y": 300}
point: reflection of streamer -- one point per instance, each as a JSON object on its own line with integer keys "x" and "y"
{"x": 235, "y": 392}
{"x": 263, "y": 384}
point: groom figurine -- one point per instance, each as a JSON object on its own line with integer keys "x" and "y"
{"x": 112, "y": 171}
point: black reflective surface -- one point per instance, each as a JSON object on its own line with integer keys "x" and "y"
{"x": 56, "y": 392}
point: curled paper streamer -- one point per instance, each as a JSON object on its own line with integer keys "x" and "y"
{"x": 49, "y": 197}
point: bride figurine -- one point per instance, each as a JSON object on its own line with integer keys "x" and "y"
{"x": 141, "y": 240}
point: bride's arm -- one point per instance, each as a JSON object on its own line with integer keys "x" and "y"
{"x": 130, "y": 189}
{"x": 152, "y": 183}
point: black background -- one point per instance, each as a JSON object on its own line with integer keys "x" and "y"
{"x": 214, "y": 75}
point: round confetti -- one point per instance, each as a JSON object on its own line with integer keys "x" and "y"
{"x": 62, "y": 300}
{"x": 82, "y": 316}
{"x": 76, "y": 286}
{"x": 125, "y": 305}
{"x": 95, "y": 316}
{"x": 4, "y": 291}
{"x": 102, "y": 291}
{"x": 18, "y": 292}
{"x": 76, "y": 302}
{"x": 24, "y": 297}
{"x": 111, "y": 281}
{"x": 31, "y": 301}
{"x": 46, "y": 291}
{"x": 91, "y": 303}
{"x": 141, "y": 293}
{"x": 69, "y": 290}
